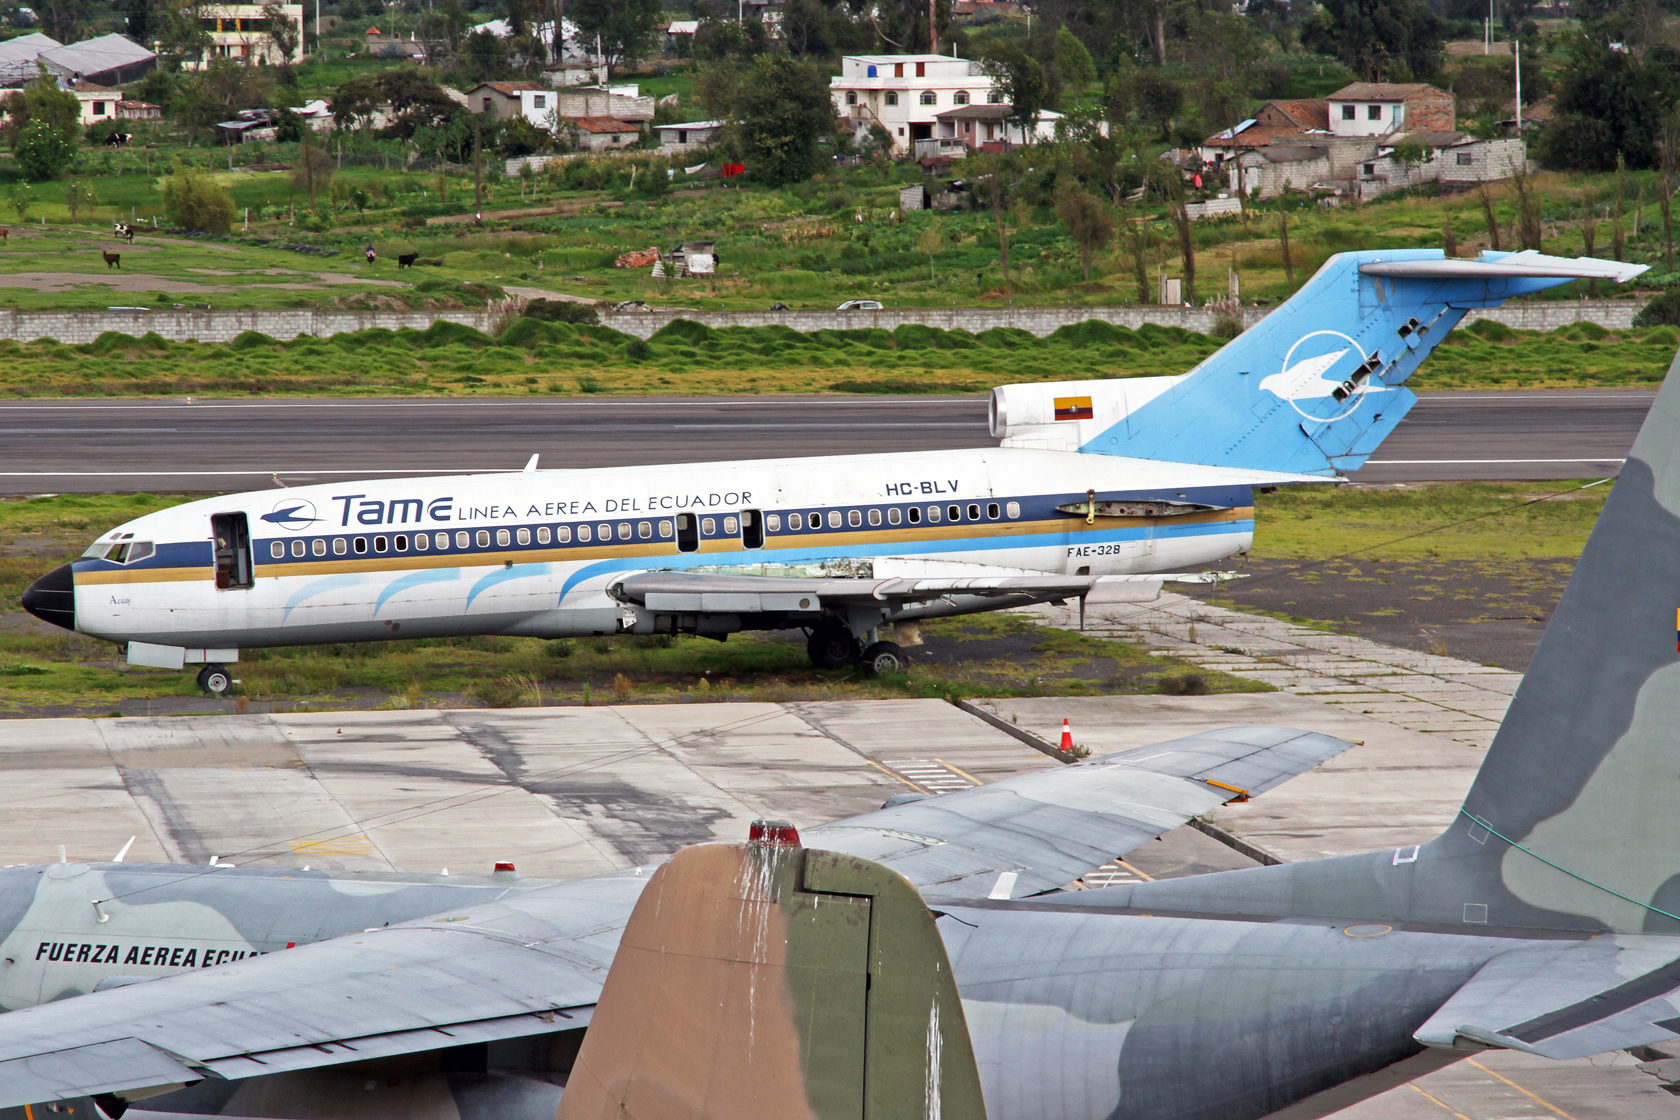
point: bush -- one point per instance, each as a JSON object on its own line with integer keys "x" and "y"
{"x": 562, "y": 311}
{"x": 42, "y": 151}
{"x": 1664, "y": 311}
{"x": 193, "y": 200}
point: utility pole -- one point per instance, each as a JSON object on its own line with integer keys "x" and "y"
{"x": 478, "y": 168}
{"x": 933, "y": 26}
{"x": 1517, "y": 48}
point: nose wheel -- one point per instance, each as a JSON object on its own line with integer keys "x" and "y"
{"x": 214, "y": 680}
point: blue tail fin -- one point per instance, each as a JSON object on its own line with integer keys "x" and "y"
{"x": 1315, "y": 386}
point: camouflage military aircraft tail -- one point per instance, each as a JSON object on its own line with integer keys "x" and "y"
{"x": 767, "y": 979}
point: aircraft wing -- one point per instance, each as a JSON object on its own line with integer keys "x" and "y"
{"x": 1036, "y": 832}
{"x": 1566, "y": 999}
{"x": 722, "y": 593}
{"x": 534, "y": 963}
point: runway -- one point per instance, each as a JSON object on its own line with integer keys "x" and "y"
{"x": 222, "y": 445}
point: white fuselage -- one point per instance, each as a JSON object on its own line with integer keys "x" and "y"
{"x": 533, "y": 553}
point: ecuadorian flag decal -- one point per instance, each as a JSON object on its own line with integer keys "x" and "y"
{"x": 1073, "y": 408}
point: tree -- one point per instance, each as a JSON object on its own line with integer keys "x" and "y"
{"x": 220, "y": 91}
{"x": 1073, "y": 62}
{"x": 1087, "y": 220}
{"x": 416, "y": 100}
{"x": 193, "y": 200}
{"x": 45, "y": 102}
{"x": 1157, "y": 97}
{"x": 80, "y": 199}
{"x": 626, "y": 27}
{"x": 779, "y": 108}
{"x": 282, "y": 32}
{"x": 355, "y": 102}
{"x": 1139, "y": 241}
{"x": 484, "y": 58}
{"x": 1608, "y": 102}
{"x": 42, "y": 151}
{"x": 1186, "y": 250}
{"x": 64, "y": 20}
{"x": 1022, "y": 81}
{"x": 1381, "y": 40}
{"x": 312, "y": 169}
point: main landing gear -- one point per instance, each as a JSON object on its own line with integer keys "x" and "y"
{"x": 214, "y": 680}
{"x": 832, "y": 646}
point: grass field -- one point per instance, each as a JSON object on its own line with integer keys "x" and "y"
{"x": 532, "y": 357}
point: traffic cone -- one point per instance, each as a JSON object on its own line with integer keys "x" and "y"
{"x": 1067, "y": 736}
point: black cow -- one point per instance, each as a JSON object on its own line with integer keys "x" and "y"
{"x": 406, "y": 260}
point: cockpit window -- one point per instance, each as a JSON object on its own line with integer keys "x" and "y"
{"x": 121, "y": 551}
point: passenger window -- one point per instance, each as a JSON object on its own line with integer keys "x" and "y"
{"x": 688, "y": 537}
{"x": 277, "y": 550}
{"x": 462, "y": 539}
{"x": 752, "y": 528}
{"x": 773, "y": 522}
{"x": 815, "y": 520}
{"x": 361, "y": 545}
{"x": 401, "y": 542}
{"x": 298, "y": 547}
{"x": 894, "y": 516}
{"x": 543, "y": 536}
{"x": 442, "y": 540}
{"x": 340, "y": 546}
{"x": 874, "y": 517}
{"x": 731, "y": 526}
{"x": 318, "y": 547}
{"x": 834, "y": 519}
{"x": 854, "y": 518}
{"x": 1014, "y": 509}
{"x": 503, "y": 538}
{"x": 992, "y": 511}
{"x": 604, "y": 531}
{"x": 379, "y": 544}
{"x": 796, "y": 521}
{"x": 563, "y": 534}
{"x": 585, "y": 534}
{"x": 933, "y": 515}
{"x": 708, "y": 527}
{"x": 915, "y": 515}
{"x": 523, "y": 536}
{"x": 954, "y": 512}
{"x": 483, "y": 538}
{"x": 233, "y": 550}
{"x": 974, "y": 513}
{"x": 644, "y": 529}
{"x": 623, "y": 530}
{"x": 422, "y": 542}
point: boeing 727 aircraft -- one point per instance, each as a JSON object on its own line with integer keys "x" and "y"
{"x": 1096, "y": 486}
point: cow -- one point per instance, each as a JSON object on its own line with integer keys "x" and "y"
{"x": 118, "y": 139}
{"x": 406, "y": 260}
{"x": 5, "y": 234}
{"x": 126, "y": 232}
{"x": 112, "y": 260}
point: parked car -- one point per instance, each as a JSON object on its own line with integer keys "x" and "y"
{"x": 860, "y": 305}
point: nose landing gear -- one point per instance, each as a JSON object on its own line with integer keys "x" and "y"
{"x": 214, "y": 680}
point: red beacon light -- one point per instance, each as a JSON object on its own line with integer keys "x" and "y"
{"x": 773, "y": 834}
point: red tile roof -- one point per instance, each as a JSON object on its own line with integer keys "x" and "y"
{"x": 604, "y": 125}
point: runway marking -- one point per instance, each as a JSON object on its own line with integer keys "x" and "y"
{"x": 1439, "y": 1101}
{"x": 934, "y": 776}
{"x": 1535, "y": 1097}
{"x": 1432, "y": 462}
{"x": 960, "y": 770}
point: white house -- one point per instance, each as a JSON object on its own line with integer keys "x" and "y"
{"x": 905, "y": 93}
{"x": 1379, "y": 108}
{"x": 241, "y": 32}
{"x": 688, "y": 136}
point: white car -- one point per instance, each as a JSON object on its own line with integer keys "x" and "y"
{"x": 861, "y": 305}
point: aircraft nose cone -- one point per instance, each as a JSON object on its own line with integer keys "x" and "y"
{"x": 52, "y": 598}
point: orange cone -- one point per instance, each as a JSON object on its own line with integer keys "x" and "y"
{"x": 1067, "y": 736}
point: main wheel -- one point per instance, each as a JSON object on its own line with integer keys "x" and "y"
{"x": 885, "y": 658}
{"x": 832, "y": 647}
{"x": 214, "y": 680}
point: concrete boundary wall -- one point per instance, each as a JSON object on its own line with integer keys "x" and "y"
{"x": 74, "y": 327}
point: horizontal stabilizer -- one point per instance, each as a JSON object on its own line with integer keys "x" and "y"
{"x": 1050, "y": 827}
{"x": 1525, "y": 263}
{"x": 1566, "y": 999}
